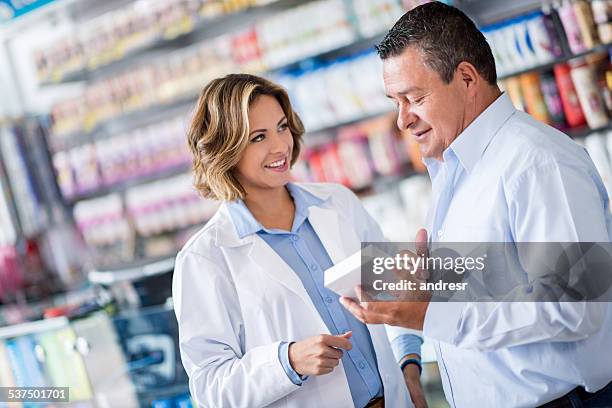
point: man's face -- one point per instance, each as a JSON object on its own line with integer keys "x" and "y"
{"x": 433, "y": 111}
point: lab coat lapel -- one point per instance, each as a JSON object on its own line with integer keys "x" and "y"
{"x": 264, "y": 257}
{"x": 327, "y": 226}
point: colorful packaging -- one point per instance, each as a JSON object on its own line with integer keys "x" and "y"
{"x": 569, "y": 20}
{"x": 513, "y": 87}
{"x": 590, "y": 99}
{"x": 571, "y": 105}
{"x": 534, "y": 100}
{"x": 552, "y": 99}
{"x": 584, "y": 16}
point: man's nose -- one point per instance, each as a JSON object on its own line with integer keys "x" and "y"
{"x": 405, "y": 118}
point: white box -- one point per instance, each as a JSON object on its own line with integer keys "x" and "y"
{"x": 344, "y": 276}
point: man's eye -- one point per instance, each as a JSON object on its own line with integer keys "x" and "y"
{"x": 417, "y": 101}
{"x": 258, "y": 138}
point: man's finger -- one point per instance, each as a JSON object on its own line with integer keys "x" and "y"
{"x": 362, "y": 295}
{"x": 421, "y": 242}
{"x": 354, "y": 307}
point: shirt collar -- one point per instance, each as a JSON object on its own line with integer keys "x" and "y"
{"x": 471, "y": 144}
{"x": 246, "y": 224}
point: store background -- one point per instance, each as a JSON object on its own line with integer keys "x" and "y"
{"x": 95, "y": 189}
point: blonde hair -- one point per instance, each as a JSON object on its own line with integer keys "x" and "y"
{"x": 219, "y": 131}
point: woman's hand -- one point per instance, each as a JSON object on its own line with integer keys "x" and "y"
{"x": 318, "y": 355}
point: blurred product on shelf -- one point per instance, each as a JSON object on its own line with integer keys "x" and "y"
{"x": 11, "y": 272}
{"x": 111, "y": 161}
{"x": 104, "y": 226}
{"x": 521, "y": 43}
{"x": 552, "y": 99}
{"x": 167, "y": 205}
{"x": 376, "y": 16}
{"x": 569, "y": 100}
{"x": 179, "y": 75}
{"x": 575, "y": 96}
{"x": 534, "y": 98}
{"x": 116, "y": 34}
{"x": 339, "y": 92}
{"x": 8, "y": 231}
{"x": 400, "y": 212}
{"x": 589, "y": 95}
{"x": 26, "y": 192}
{"x": 602, "y": 14}
{"x": 128, "y": 360}
{"x": 356, "y": 155}
{"x": 317, "y": 27}
{"x": 109, "y": 224}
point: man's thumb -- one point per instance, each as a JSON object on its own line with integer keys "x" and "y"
{"x": 421, "y": 242}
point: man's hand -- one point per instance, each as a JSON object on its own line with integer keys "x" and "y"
{"x": 409, "y": 312}
{"x": 412, "y": 377}
{"x": 318, "y": 355}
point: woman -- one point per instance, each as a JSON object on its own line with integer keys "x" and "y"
{"x": 257, "y": 327}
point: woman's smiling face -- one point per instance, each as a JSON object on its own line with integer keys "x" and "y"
{"x": 265, "y": 163}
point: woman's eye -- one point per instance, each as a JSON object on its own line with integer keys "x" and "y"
{"x": 258, "y": 138}
{"x": 283, "y": 127}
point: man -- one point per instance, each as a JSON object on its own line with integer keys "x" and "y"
{"x": 497, "y": 175}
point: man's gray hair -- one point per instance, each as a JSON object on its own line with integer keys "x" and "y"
{"x": 445, "y": 36}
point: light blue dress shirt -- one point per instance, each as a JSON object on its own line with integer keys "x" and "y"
{"x": 510, "y": 178}
{"x": 303, "y": 251}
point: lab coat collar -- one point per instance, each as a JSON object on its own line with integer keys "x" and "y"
{"x": 323, "y": 219}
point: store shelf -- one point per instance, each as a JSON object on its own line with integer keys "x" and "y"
{"x": 33, "y": 327}
{"x": 124, "y": 122}
{"x": 585, "y": 131}
{"x": 153, "y": 112}
{"x": 203, "y": 27}
{"x": 550, "y": 65}
{"x": 132, "y": 271}
{"x": 131, "y": 182}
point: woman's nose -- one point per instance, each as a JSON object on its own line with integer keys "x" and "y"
{"x": 279, "y": 143}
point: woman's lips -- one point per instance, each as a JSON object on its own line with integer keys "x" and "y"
{"x": 280, "y": 169}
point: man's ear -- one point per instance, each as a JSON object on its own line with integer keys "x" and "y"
{"x": 468, "y": 75}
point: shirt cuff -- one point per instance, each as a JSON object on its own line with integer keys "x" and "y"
{"x": 283, "y": 356}
{"x": 406, "y": 344}
{"x": 442, "y": 321}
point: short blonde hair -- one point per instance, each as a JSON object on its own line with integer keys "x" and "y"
{"x": 219, "y": 131}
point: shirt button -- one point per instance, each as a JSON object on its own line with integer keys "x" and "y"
{"x": 313, "y": 267}
{"x": 439, "y": 233}
{"x": 329, "y": 299}
{"x": 294, "y": 238}
{"x": 361, "y": 365}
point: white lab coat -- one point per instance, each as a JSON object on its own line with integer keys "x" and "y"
{"x": 236, "y": 300}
